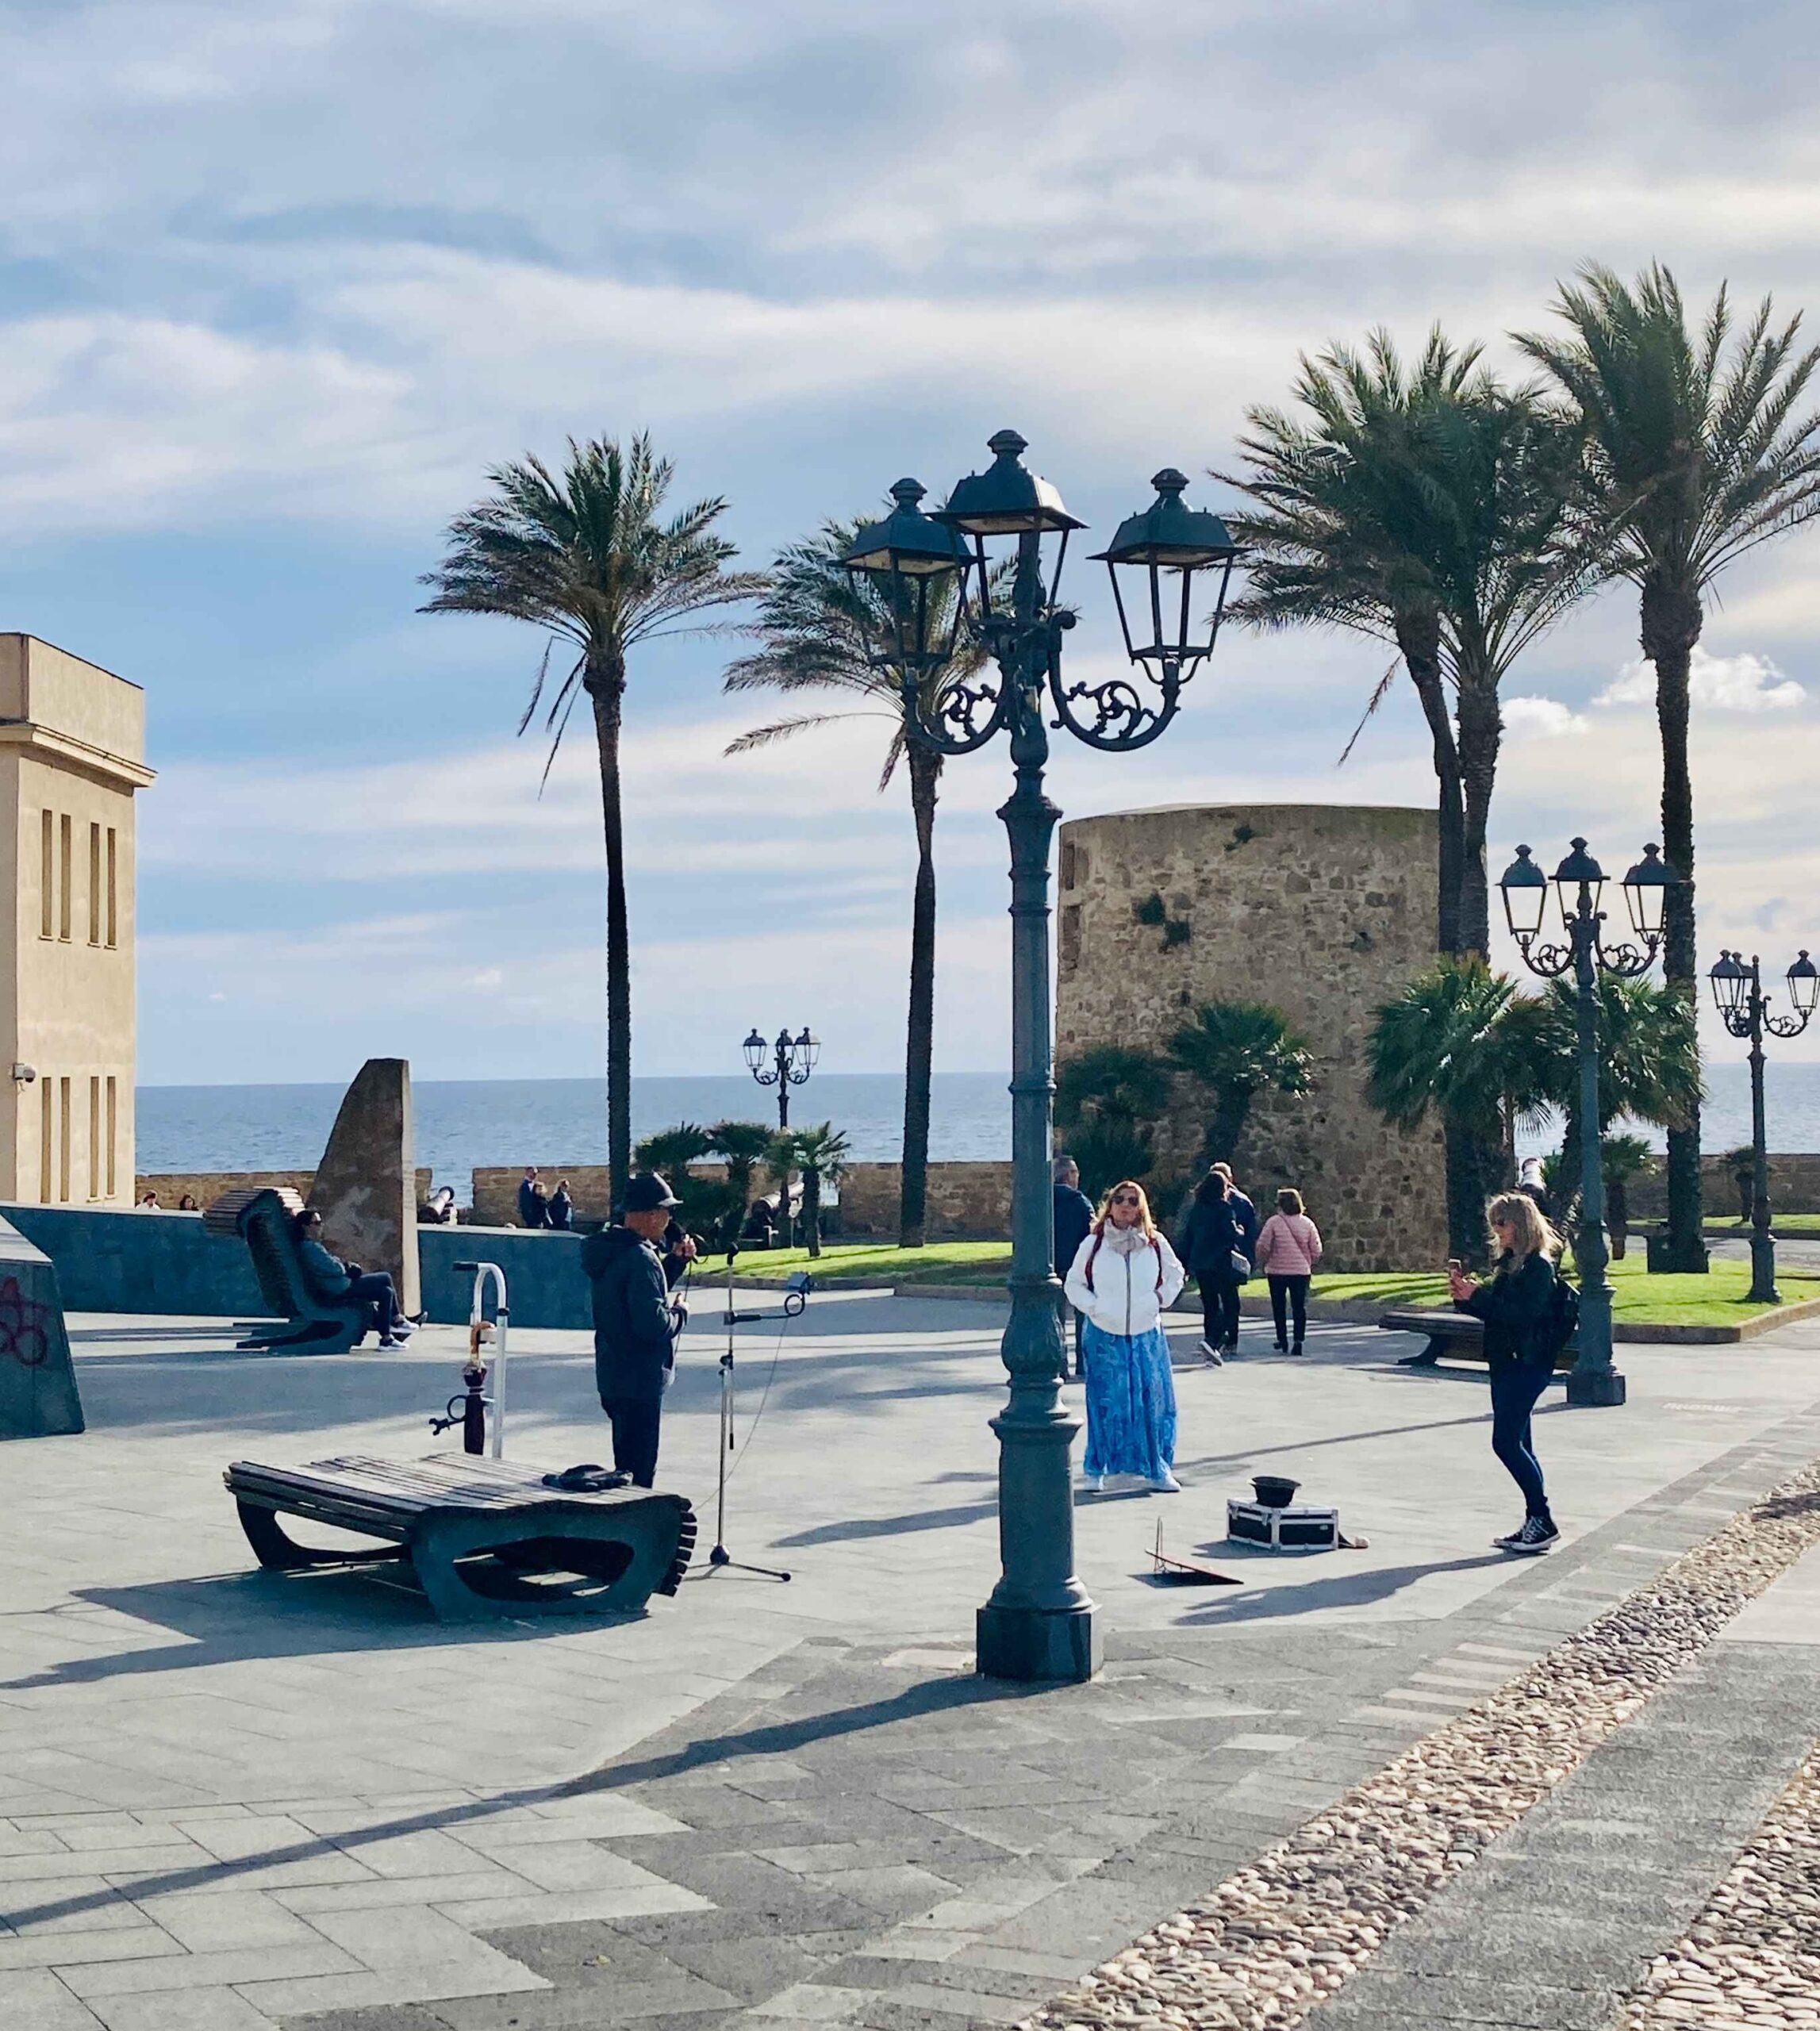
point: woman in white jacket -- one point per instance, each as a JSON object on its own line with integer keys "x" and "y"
{"x": 1124, "y": 1277}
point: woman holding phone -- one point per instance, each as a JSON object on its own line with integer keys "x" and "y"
{"x": 1516, "y": 1304}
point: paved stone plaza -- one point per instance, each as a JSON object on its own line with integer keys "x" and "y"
{"x": 234, "y": 1800}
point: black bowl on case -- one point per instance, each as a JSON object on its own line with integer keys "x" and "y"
{"x": 1274, "y": 1491}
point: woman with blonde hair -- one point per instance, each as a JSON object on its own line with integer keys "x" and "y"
{"x": 1124, "y": 1275}
{"x": 1517, "y": 1304}
{"x": 1288, "y": 1247}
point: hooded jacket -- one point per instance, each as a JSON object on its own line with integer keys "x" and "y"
{"x": 1131, "y": 1288}
{"x": 632, "y": 1346}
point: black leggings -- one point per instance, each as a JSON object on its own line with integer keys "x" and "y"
{"x": 1516, "y": 1386}
{"x": 1287, "y": 1293}
{"x": 1220, "y": 1313}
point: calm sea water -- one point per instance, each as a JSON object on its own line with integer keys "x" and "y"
{"x": 466, "y": 1124}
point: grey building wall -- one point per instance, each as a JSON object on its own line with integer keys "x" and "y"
{"x": 1322, "y": 911}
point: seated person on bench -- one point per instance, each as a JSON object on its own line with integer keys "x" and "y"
{"x": 333, "y": 1278}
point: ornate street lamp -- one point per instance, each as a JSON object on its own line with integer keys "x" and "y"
{"x": 1744, "y": 1008}
{"x": 1578, "y": 883}
{"x": 792, "y": 1059}
{"x": 1039, "y": 1622}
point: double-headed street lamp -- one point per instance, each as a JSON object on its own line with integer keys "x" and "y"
{"x": 927, "y": 581}
{"x": 1578, "y": 884}
{"x": 792, "y": 1060}
{"x": 1744, "y": 1007}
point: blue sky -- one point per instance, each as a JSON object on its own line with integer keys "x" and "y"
{"x": 277, "y": 284}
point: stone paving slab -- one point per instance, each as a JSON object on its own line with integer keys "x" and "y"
{"x": 805, "y": 1782}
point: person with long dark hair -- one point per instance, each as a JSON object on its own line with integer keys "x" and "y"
{"x": 1517, "y": 1303}
{"x": 1124, "y": 1276}
{"x": 1214, "y": 1240}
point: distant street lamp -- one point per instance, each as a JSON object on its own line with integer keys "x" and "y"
{"x": 1039, "y": 1622}
{"x": 1579, "y": 882}
{"x": 1744, "y": 1008}
{"x": 792, "y": 1060}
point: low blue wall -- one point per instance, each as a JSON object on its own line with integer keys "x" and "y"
{"x": 113, "y": 1262}
{"x": 543, "y": 1278}
{"x": 167, "y": 1262}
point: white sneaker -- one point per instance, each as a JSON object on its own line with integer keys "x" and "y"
{"x": 387, "y": 1341}
{"x": 402, "y": 1331}
{"x": 1166, "y": 1483}
{"x": 1210, "y": 1354}
{"x": 1093, "y": 1483}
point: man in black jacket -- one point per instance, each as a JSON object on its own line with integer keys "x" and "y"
{"x": 1073, "y": 1219}
{"x": 633, "y": 1352}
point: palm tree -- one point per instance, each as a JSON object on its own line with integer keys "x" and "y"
{"x": 822, "y": 1154}
{"x": 1623, "y": 1159}
{"x": 1438, "y": 1049}
{"x": 741, "y": 1145}
{"x": 705, "y": 1204}
{"x": 1695, "y": 456}
{"x": 1234, "y": 1051}
{"x": 813, "y": 624}
{"x": 674, "y": 1149}
{"x": 1429, "y": 508}
{"x": 586, "y": 557}
{"x": 1107, "y": 1102}
{"x": 783, "y": 1159}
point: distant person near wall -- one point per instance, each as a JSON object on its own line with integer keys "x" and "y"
{"x": 1073, "y": 1218}
{"x": 561, "y": 1211}
{"x": 1288, "y": 1247}
{"x": 149, "y": 1203}
{"x": 1215, "y": 1238}
{"x": 533, "y": 1207}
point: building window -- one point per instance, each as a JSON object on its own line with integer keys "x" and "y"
{"x": 47, "y": 876}
{"x": 66, "y": 831}
{"x": 94, "y": 884}
{"x": 94, "y": 1135}
{"x": 113, "y": 889}
{"x": 112, "y": 1131}
{"x": 1068, "y": 855}
{"x": 63, "y": 1119}
{"x": 45, "y": 1104}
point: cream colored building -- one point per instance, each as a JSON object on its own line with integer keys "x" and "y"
{"x": 72, "y": 747}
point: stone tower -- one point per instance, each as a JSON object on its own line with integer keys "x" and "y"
{"x": 72, "y": 747}
{"x": 1322, "y": 912}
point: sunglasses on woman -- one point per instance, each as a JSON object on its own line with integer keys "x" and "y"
{"x": 1126, "y": 1198}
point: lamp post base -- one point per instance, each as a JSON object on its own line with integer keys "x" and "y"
{"x": 1039, "y": 1645}
{"x": 1597, "y": 1387}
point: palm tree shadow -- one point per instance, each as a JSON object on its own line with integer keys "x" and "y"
{"x": 1352, "y": 1589}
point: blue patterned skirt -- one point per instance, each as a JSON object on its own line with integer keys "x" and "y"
{"x": 1130, "y": 1402}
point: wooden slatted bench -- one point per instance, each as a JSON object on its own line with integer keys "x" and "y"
{"x": 1453, "y": 1335}
{"x": 265, "y": 1217}
{"x": 483, "y": 1538}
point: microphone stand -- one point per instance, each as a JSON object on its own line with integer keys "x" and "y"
{"x": 721, "y": 1560}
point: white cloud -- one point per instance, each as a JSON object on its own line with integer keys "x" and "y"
{"x": 1743, "y": 683}
{"x": 1546, "y": 719}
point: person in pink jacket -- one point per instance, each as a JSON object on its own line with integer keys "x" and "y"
{"x": 1288, "y": 1247}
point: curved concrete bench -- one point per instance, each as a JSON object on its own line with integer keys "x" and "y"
{"x": 1454, "y": 1335}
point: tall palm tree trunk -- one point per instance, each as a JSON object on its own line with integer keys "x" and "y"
{"x": 1672, "y": 620}
{"x": 1481, "y": 728}
{"x": 1420, "y": 641}
{"x": 925, "y": 775}
{"x": 606, "y": 687}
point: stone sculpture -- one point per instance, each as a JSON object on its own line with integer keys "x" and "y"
{"x": 366, "y": 1184}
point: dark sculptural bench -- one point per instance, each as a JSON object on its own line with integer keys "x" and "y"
{"x": 481, "y": 1537}
{"x": 1456, "y": 1335}
{"x": 265, "y": 1217}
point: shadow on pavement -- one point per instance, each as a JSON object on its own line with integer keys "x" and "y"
{"x": 1353, "y": 1590}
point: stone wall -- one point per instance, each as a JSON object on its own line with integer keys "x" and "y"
{"x": 966, "y": 1202}
{"x": 1324, "y": 911}
{"x": 206, "y": 1187}
{"x": 1794, "y": 1188}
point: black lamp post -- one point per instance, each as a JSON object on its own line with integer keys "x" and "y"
{"x": 1744, "y": 1007}
{"x": 792, "y": 1060}
{"x": 1579, "y": 882}
{"x": 1039, "y": 1622}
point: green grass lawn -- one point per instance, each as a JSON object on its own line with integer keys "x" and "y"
{"x": 1717, "y": 1298}
{"x": 1804, "y": 1225}
{"x": 872, "y": 1262}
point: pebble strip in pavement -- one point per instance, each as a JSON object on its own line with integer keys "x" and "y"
{"x": 1753, "y": 1955}
{"x": 1278, "y": 1938}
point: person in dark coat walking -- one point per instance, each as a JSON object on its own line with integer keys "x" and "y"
{"x": 1074, "y": 1219}
{"x": 633, "y": 1355}
{"x": 1516, "y": 1304}
{"x": 1212, "y": 1238}
{"x": 533, "y": 1208}
{"x": 560, "y": 1213}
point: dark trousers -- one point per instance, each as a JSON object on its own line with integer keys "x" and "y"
{"x": 636, "y": 1421}
{"x": 1516, "y": 1387}
{"x": 374, "y": 1289}
{"x": 1289, "y": 1294}
{"x": 1220, "y": 1313}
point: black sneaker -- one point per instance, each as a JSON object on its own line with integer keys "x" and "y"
{"x": 1537, "y": 1535}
